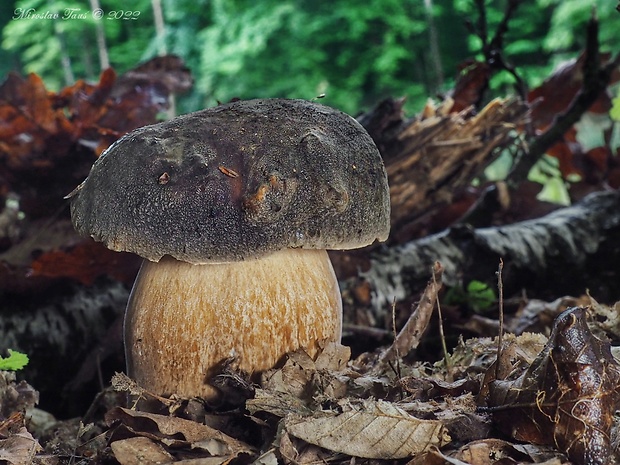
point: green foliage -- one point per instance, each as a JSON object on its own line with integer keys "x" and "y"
{"x": 615, "y": 109}
{"x": 477, "y": 295}
{"x": 14, "y": 362}
{"x": 546, "y": 172}
{"x": 354, "y": 52}
{"x": 42, "y": 43}
{"x": 572, "y": 16}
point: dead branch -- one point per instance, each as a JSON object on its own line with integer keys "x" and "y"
{"x": 493, "y": 49}
{"x": 596, "y": 78}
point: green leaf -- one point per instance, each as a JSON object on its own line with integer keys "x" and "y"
{"x": 15, "y": 361}
{"x": 480, "y": 296}
{"x": 615, "y": 108}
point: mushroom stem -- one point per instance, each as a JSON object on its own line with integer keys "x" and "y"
{"x": 183, "y": 320}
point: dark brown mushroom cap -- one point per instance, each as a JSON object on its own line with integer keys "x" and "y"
{"x": 237, "y": 181}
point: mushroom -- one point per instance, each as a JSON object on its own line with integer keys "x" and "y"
{"x": 233, "y": 209}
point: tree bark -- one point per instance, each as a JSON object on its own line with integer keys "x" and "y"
{"x": 569, "y": 250}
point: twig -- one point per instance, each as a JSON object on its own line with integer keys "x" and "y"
{"x": 500, "y": 337}
{"x": 442, "y": 336}
{"x": 497, "y": 43}
{"x": 361, "y": 330}
{"x": 493, "y": 50}
{"x": 595, "y": 80}
{"x": 398, "y": 355}
{"x": 409, "y": 337}
{"x": 481, "y": 29}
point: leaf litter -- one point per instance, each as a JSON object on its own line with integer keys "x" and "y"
{"x": 545, "y": 400}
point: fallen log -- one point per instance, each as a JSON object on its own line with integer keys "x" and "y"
{"x": 568, "y": 250}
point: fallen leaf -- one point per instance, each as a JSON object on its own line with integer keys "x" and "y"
{"x": 472, "y": 82}
{"x": 334, "y": 357}
{"x": 369, "y": 429}
{"x": 175, "y": 432}
{"x": 19, "y": 448}
{"x": 556, "y": 93}
{"x": 297, "y": 452}
{"x": 567, "y": 397}
{"x": 15, "y": 396}
{"x": 276, "y": 403}
{"x": 139, "y": 451}
{"x": 411, "y": 334}
{"x": 488, "y": 452}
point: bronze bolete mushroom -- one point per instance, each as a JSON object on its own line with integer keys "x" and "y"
{"x": 233, "y": 209}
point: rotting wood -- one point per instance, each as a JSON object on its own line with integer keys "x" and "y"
{"x": 431, "y": 158}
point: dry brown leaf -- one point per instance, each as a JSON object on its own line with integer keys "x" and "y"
{"x": 488, "y": 452}
{"x": 369, "y": 429}
{"x": 276, "y": 403}
{"x": 606, "y": 317}
{"x": 411, "y": 334}
{"x": 307, "y": 380}
{"x": 471, "y": 83}
{"x": 567, "y": 397}
{"x": 537, "y": 315}
{"x": 14, "y": 396}
{"x": 334, "y": 357}
{"x": 297, "y": 452}
{"x": 139, "y": 451}
{"x": 204, "y": 461}
{"x": 556, "y": 93}
{"x": 19, "y": 448}
{"x": 293, "y": 377}
{"x": 267, "y": 458}
{"x": 176, "y": 432}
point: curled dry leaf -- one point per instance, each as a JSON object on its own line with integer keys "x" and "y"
{"x": 472, "y": 81}
{"x": 19, "y": 448}
{"x": 556, "y": 93}
{"x": 276, "y": 403}
{"x": 297, "y": 452}
{"x": 490, "y": 451}
{"x": 411, "y": 334}
{"x": 567, "y": 397}
{"x": 15, "y": 396}
{"x": 369, "y": 429}
{"x": 305, "y": 379}
{"x": 175, "y": 432}
{"x": 139, "y": 450}
{"x": 538, "y": 315}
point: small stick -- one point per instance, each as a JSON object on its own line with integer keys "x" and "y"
{"x": 410, "y": 335}
{"x": 500, "y": 288}
{"x": 397, "y": 370}
{"x": 446, "y": 355}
